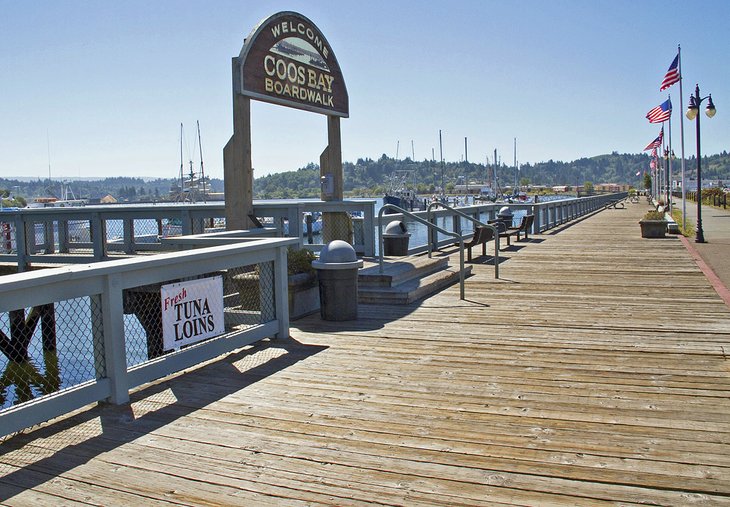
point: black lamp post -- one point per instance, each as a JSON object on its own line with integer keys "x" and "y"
{"x": 692, "y": 113}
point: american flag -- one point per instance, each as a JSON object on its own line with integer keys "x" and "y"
{"x": 672, "y": 76}
{"x": 660, "y": 113}
{"x": 656, "y": 143}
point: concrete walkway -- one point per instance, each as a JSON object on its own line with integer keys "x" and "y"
{"x": 715, "y": 252}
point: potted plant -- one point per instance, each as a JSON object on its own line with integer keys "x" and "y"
{"x": 653, "y": 225}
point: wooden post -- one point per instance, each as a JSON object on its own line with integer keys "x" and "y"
{"x": 237, "y": 165}
{"x": 335, "y": 225}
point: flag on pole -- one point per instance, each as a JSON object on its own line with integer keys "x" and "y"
{"x": 672, "y": 76}
{"x": 660, "y": 113}
{"x": 652, "y": 164}
{"x": 656, "y": 143}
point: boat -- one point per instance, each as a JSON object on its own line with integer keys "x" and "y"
{"x": 196, "y": 186}
{"x": 402, "y": 194}
{"x": 67, "y": 199}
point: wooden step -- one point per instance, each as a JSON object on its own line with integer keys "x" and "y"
{"x": 397, "y": 270}
{"x": 412, "y": 289}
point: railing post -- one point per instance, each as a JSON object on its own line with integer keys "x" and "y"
{"x": 281, "y": 293}
{"x": 128, "y": 235}
{"x": 63, "y": 236}
{"x": 433, "y": 237}
{"x": 21, "y": 243}
{"x": 369, "y": 232}
{"x": 114, "y": 341}
{"x": 98, "y": 236}
{"x": 186, "y": 222}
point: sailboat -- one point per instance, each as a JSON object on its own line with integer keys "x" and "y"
{"x": 194, "y": 186}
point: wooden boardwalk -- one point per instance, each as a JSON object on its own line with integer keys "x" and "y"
{"x": 595, "y": 371}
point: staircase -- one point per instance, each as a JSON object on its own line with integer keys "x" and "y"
{"x": 406, "y": 279}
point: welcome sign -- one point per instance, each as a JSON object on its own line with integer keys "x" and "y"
{"x": 286, "y": 60}
{"x": 191, "y": 311}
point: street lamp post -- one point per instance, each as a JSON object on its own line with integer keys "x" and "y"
{"x": 692, "y": 113}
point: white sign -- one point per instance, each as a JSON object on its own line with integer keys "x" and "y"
{"x": 191, "y": 311}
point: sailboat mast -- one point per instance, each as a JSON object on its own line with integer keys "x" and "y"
{"x": 48, "y": 146}
{"x": 182, "y": 176}
{"x": 202, "y": 171}
{"x": 515, "y": 163}
{"x": 441, "y": 151}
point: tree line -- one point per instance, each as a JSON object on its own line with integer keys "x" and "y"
{"x": 371, "y": 178}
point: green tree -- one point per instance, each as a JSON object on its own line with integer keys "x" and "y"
{"x": 647, "y": 181}
{"x": 588, "y": 187}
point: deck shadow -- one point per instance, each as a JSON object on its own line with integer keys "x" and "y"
{"x": 157, "y": 405}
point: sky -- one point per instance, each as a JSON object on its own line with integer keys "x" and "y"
{"x": 99, "y": 88}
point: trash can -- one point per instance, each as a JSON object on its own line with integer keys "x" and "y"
{"x": 505, "y": 216}
{"x": 395, "y": 239}
{"x": 337, "y": 272}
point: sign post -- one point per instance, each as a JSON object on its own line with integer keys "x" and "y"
{"x": 285, "y": 60}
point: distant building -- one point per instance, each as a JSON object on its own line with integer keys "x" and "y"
{"x": 611, "y": 187}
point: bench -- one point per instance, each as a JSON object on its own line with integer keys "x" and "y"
{"x": 507, "y": 232}
{"x": 482, "y": 234}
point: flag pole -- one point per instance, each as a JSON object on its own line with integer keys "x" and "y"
{"x": 681, "y": 135}
{"x": 669, "y": 162}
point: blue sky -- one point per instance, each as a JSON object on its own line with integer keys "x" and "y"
{"x": 106, "y": 84}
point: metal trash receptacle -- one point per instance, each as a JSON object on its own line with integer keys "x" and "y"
{"x": 337, "y": 272}
{"x": 505, "y": 216}
{"x": 395, "y": 239}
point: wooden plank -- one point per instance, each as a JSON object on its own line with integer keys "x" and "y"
{"x": 594, "y": 371}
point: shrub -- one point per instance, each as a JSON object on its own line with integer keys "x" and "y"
{"x": 654, "y": 215}
{"x": 300, "y": 261}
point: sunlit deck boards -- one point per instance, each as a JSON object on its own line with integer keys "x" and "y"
{"x": 596, "y": 370}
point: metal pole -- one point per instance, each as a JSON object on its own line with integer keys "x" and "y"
{"x": 669, "y": 169}
{"x": 700, "y": 237}
{"x": 681, "y": 133}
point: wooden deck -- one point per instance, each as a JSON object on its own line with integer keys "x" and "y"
{"x": 595, "y": 371}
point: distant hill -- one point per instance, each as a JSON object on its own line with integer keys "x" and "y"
{"x": 368, "y": 177}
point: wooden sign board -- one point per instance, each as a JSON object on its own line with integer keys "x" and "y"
{"x": 286, "y": 60}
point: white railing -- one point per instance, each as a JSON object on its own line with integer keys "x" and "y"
{"x": 96, "y": 233}
{"x": 88, "y": 305}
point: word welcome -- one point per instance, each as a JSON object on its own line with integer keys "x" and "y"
{"x": 287, "y": 27}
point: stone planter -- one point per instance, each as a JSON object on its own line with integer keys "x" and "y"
{"x": 653, "y": 228}
{"x": 303, "y": 293}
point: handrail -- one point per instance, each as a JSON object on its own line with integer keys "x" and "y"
{"x": 477, "y": 222}
{"x": 427, "y": 224}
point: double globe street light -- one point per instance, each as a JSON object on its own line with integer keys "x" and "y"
{"x": 692, "y": 113}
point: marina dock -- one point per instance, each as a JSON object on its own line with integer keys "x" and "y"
{"x": 594, "y": 371}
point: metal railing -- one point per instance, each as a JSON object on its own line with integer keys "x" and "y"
{"x": 428, "y": 224}
{"x": 476, "y": 222}
{"x": 548, "y": 215}
{"x": 74, "y": 335}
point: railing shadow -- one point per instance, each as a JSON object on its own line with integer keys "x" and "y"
{"x": 27, "y": 460}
